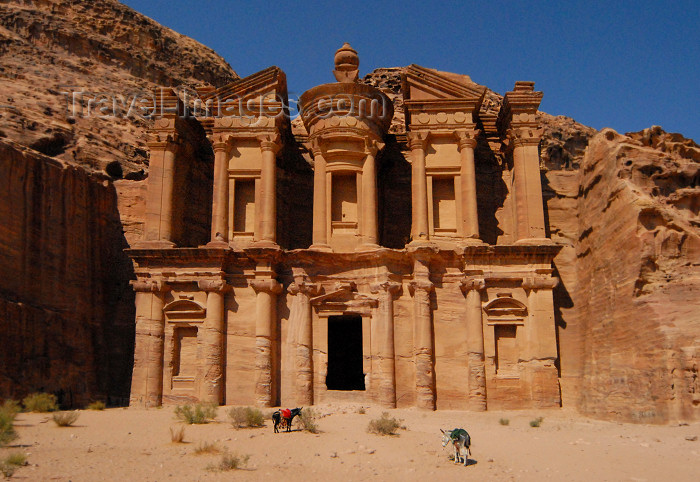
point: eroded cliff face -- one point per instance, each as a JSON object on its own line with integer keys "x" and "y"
{"x": 50, "y": 49}
{"x": 65, "y": 301}
{"x": 65, "y": 216}
{"x": 638, "y": 254}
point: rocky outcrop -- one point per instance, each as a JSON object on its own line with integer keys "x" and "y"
{"x": 66, "y": 308}
{"x": 638, "y": 254}
{"x": 111, "y": 57}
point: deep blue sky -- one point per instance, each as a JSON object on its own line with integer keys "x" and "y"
{"x": 626, "y": 65}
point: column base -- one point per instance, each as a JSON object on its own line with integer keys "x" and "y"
{"x": 217, "y": 243}
{"x": 321, "y": 247}
{"x": 534, "y": 241}
{"x": 471, "y": 242}
{"x": 367, "y": 247}
{"x": 160, "y": 244}
{"x": 264, "y": 243}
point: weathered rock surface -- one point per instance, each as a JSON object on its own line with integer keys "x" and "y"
{"x": 65, "y": 303}
{"x": 104, "y": 49}
{"x": 67, "y": 307}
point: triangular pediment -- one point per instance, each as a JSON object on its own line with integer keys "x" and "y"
{"x": 423, "y": 84}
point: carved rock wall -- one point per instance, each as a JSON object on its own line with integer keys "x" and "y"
{"x": 65, "y": 303}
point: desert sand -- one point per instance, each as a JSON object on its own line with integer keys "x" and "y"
{"x": 134, "y": 444}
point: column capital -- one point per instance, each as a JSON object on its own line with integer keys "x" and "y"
{"x": 523, "y": 136}
{"x": 271, "y": 286}
{"x": 390, "y": 287}
{"x": 421, "y": 285}
{"x": 215, "y": 285}
{"x": 270, "y": 142}
{"x": 417, "y": 140}
{"x": 309, "y": 289}
{"x": 540, "y": 283}
{"x": 467, "y": 138}
{"x": 472, "y": 284}
{"x": 150, "y": 286}
{"x": 221, "y": 141}
{"x": 163, "y": 139}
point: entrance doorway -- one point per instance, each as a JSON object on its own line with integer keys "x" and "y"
{"x": 345, "y": 353}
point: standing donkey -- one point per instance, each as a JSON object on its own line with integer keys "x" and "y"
{"x": 460, "y": 441}
{"x": 284, "y": 417}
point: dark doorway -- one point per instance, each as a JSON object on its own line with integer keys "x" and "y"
{"x": 345, "y": 353}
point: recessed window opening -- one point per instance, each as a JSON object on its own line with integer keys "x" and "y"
{"x": 244, "y": 206}
{"x": 344, "y": 198}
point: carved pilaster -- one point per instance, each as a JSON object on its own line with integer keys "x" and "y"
{"x": 387, "y": 290}
{"x": 417, "y": 141}
{"x": 423, "y": 343}
{"x": 466, "y": 142}
{"x": 211, "y": 341}
{"x": 269, "y": 145}
{"x": 147, "y": 375}
{"x": 368, "y": 227}
{"x": 220, "y": 202}
{"x": 476, "y": 372}
{"x": 266, "y": 314}
{"x": 302, "y": 325}
{"x": 320, "y": 215}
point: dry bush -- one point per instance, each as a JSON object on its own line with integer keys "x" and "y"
{"x": 40, "y": 402}
{"x": 308, "y": 420}
{"x": 246, "y": 417}
{"x": 98, "y": 405}
{"x": 197, "y": 414}
{"x": 207, "y": 448}
{"x": 8, "y": 412}
{"x": 230, "y": 461}
{"x": 536, "y": 422}
{"x": 177, "y": 434}
{"x": 361, "y": 410}
{"x": 11, "y": 462}
{"x": 65, "y": 419}
{"x": 384, "y": 425}
{"x": 504, "y": 421}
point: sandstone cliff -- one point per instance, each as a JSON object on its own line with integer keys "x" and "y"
{"x": 65, "y": 216}
{"x": 50, "y": 48}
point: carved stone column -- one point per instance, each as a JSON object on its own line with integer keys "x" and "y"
{"x": 147, "y": 376}
{"x": 419, "y": 188}
{"x": 470, "y": 216}
{"x": 517, "y": 121}
{"x": 161, "y": 179}
{"x": 220, "y": 203}
{"x": 303, "y": 330}
{"x": 269, "y": 147}
{"x": 369, "y": 195}
{"x": 423, "y": 343}
{"x": 266, "y": 313}
{"x": 476, "y": 374}
{"x": 385, "y": 312}
{"x": 320, "y": 219}
{"x": 211, "y": 339}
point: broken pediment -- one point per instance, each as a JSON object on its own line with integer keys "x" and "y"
{"x": 262, "y": 93}
{"x": 423, "y": 84}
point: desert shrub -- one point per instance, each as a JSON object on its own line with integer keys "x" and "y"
{"x": 40, "y": 402}
{"x": 384, "y": 425}
{"x": 207, "y": 448}
{"x": 246, "y": 417}
{"x": 199, "y": 413}
{"x": 536, "y": 422}
{"x": 98, "y": 405}
{"x": 177, "y": 434}
{"x": 65, "y": 419}
{"x": 12, "y": 407}
{"x": 361, "y": 410}
{"x": 10, "y": 463}
{"x": 504, "y": 421}
{"x": 230, "y": 461}
{"x": 307, "y": 417}
{"x": 7, "y": 423}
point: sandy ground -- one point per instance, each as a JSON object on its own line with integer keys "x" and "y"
{"x": 133, "y": 444}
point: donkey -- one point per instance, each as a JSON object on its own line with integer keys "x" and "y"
{"x": 460, "y": 441}
{"x": 284, "y": 417}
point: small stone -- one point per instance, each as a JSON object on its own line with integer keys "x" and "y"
{"x": 691, "y": 438}
{"x": 370, "y": 451}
